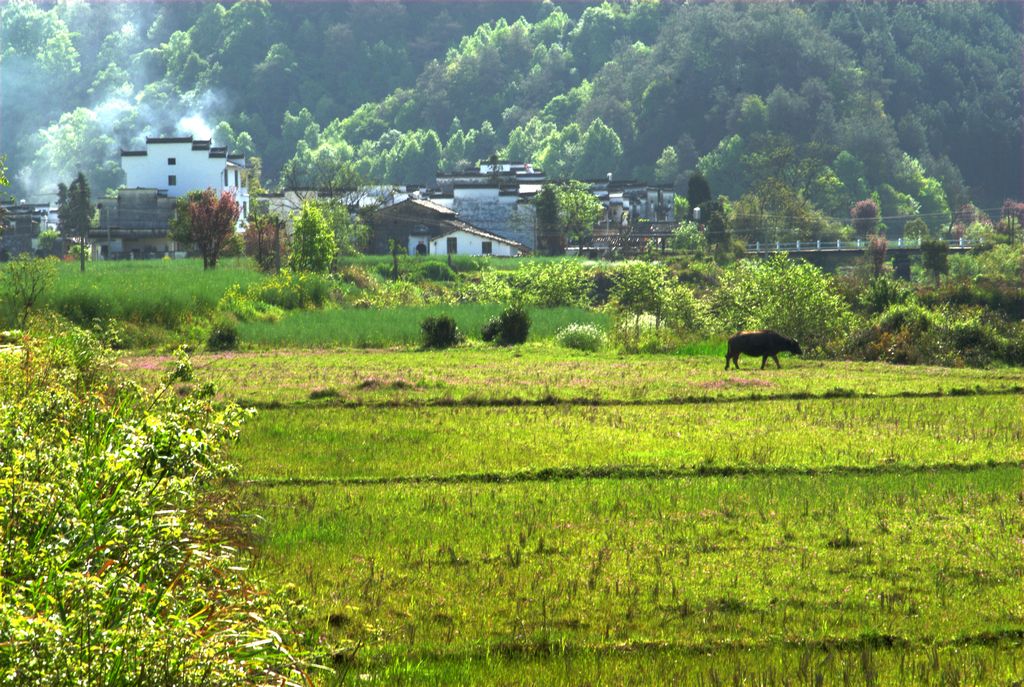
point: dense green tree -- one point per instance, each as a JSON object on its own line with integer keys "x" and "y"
{"x": 666, "y": 169}
{"x": 75, "y": 212}
{"x": 313, "y": 243}
{"x": 578, "y": 211}
{"x": 600, "y": 152}
{"x": 912, "y": 103}
{"x": 698, "y": 192}
{"x": 549, "y": 239}
{"x": 935, "y": 257}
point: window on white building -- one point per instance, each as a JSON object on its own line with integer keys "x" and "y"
{"x": 453, "y": 245}
{"x": 485, "y": 247}
{"x": 172, "y": 161}
{"x": 172, "y": 180}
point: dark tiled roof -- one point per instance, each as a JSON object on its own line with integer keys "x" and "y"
{"x": 426, "y": 204}
{"x": 133, "y": 153}
{"x": 170, "y": 139}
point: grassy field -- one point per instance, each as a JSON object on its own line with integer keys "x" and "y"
{"x": 163, "y": 292}
{"x": 541, "y": 374}
{"x": 540, "y": 517}
{"x": 380, "y": 327}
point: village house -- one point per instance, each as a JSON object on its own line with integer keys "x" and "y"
{"x": 23, "y": 223}
{"x": 287, "y": 204}
{"x": 135, "y": 223}
{"x": 468, "y": 240}
{"x": 495, "y": 197}
{"x": 410, "y": 224}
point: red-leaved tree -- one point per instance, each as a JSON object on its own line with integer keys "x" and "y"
{"x": 1013, "y": 220}
{"x": 211, "y": 223}
{"x": 864, "y": 214}
{"x": 265, "y": 241}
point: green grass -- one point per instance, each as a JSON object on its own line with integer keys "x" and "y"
{"x": 540, "y": 373}
{"x": 378, "y": 328}
{"x": 460, "y": 263}
{"x": 688, "y": 567}
{"x": 540, "y": 516}
{"x": 163, "y": 292}
{"x": 483, "y": 443}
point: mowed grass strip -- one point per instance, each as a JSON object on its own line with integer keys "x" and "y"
{"x": 483, "y": 374}
{"x": 466, "y": 570}
{"x": 563, "y": 441}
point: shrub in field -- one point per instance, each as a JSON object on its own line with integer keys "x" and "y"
{"x": 24, "y": 281}
{"x": 792, "y": 297}
{"x": 266, "y": 241}
{"x": 644, "y": 334}
{"x": 582, "y": 337}
{"x": 247, "y": 308}
{"x": 510, "y": 328}
{"x": 390, "y": 294}
{"x": 291, "y": 290}
{"x": 647, "y": 292}
{"x": 356, "y": 276}
{"x": 490, "y": 287}
{"x": 432, "y": 271}
{"x": 440, "y": 332}
{"x": 912, "y": 334}
{"x": 223, "y": 334}
{"x": 110, "y": 575}
{"x": 883, "y": 292}
{"x": 552, "y": 284}
{"x": 910, "y": 316}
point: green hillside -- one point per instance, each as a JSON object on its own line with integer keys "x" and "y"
{"x": 914, "y": 104}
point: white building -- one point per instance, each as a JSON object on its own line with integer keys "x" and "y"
{"x": 468, "y": 240}
{"x": 180, "y": 165}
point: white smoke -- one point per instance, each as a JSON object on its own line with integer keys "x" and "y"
{"x": 195, "y": 125}
{"x": 89, "y": 139}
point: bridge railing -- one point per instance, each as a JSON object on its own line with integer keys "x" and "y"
{"x": 838, "y": 244}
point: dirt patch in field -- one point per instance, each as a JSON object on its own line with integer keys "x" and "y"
{"x": 735, "y": 382}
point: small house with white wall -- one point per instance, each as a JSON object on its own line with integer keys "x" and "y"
{"x": 466, "y": 239}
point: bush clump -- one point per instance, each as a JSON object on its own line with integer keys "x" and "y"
{"x": 223, "y": 334}
{"x": 510, "y": 328}
{"x": 440, "y": 332}
{"x": 581, "y": 337}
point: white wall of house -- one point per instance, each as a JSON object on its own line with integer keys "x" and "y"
{"x": 176, "y": 167}
{"x": 471, "y": 244}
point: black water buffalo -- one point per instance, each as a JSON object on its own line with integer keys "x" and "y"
{"x": 762, "y": 343}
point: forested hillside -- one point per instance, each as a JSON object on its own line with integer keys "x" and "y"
{"x": 815, "y": 105}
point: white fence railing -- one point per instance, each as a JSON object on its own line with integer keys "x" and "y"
{"x": 856, "y": 244}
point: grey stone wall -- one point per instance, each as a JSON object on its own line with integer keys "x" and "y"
{"x": 513, "y": 221}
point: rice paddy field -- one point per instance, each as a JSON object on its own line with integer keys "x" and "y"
{"x": 537, "y": 517}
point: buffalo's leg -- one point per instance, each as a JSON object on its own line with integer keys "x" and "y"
{"x": 764, "y": 361}
{"x": 776, "y": 359}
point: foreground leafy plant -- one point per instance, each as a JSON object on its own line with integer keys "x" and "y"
{"x": 111, "y": 574}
